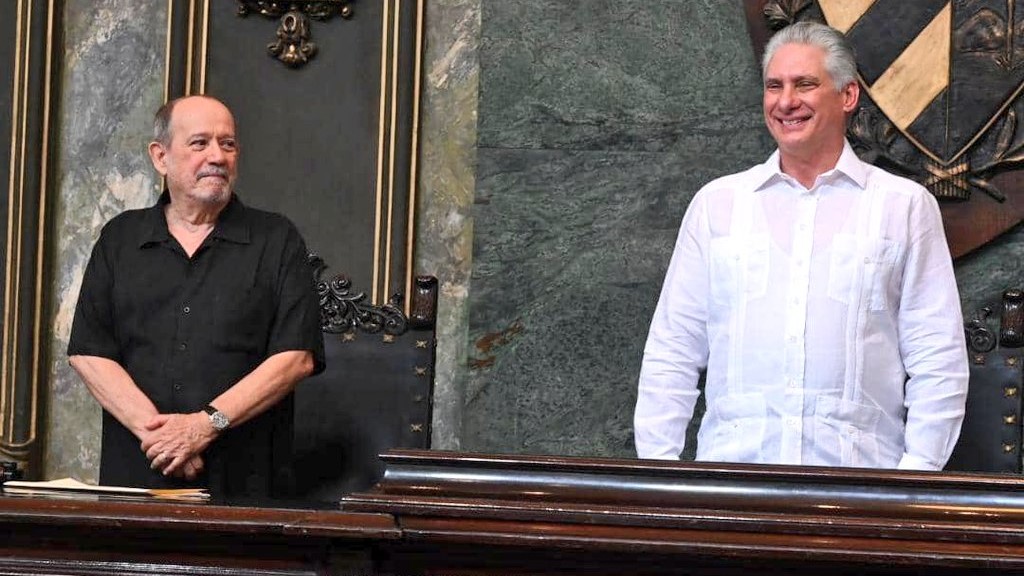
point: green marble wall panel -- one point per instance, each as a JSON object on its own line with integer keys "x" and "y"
{"x": 598, "y": 122}
{"x": 984, "y": 274}
{"x": 112, "y": 81}
{"x": 444, "y": 231}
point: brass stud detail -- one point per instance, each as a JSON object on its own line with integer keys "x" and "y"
{"x": 421, "y": 343}
{"x": 388, "y": 338}
{"x": 348, "y": 337}
{"x": 1011, "y": 361}
{"x": 1008, "y": 448}
{"x": 979, "y": 359}
{"x": 1010, "y": 419}
{"x": 421, "y": 371}
{"x": 1010, "y": 391}
{"x": 416, "y": 427}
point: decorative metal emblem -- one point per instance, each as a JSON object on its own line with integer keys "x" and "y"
{"x": 341, "y": 311}
{"x": 941, "y": 99}
{"x": 980, "y": 338}
{"x": 293, "y": 45}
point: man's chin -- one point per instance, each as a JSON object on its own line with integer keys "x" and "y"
{"x": 216, "y": 195}
{"x": 790, "y": 139}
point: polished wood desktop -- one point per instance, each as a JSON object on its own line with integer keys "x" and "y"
{"x": 458, "y": 513}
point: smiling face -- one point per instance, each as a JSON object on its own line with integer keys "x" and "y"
{"x": 804, "y": 111}
{"x": 200, "y": 159}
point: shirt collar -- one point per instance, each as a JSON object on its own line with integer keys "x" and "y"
{"x": 232, "y": 225}
{"x": 848, "y": 165}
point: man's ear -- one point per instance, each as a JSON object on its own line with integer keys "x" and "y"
{"x": 158, "y": 155}
{"x": 851, "y": 95}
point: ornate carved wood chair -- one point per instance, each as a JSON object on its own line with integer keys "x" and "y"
{"x": 990, "y": 440}
{"x": 375, "y": 393}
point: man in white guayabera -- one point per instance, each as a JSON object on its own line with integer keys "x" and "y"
{"x": 815, "y": 289}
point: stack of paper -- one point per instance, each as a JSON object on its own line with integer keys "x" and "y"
{"x": 70, "y": 484}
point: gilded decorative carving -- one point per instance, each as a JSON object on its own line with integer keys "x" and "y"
{"x": 342, "y": 311}
{"x": 293, "y": 45}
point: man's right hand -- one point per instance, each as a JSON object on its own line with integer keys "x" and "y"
{"x": 190, "y": 467}
{"x": 172, "y": 441}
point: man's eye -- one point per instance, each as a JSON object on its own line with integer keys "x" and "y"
{"x": 197, "y": 144}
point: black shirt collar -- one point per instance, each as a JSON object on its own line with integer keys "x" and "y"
{"x": 232, "y": 225}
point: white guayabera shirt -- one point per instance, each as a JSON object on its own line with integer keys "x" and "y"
{"x": 828, "y": 320}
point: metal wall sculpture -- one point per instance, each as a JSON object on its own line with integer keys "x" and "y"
{"x": 294, "y": 46}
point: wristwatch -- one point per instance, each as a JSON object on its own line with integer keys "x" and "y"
{"x": 218, "y": 419}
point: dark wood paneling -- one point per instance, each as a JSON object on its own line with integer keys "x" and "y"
{"x": 89, "y": 536}
{"x": 710, "y": 516}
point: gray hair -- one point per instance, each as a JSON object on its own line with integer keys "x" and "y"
{"x": 162, "y": 118}
{"x": 840, "y": 61}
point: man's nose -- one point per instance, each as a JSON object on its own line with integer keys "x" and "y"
{"x": 788, "y": 98}
{"x": 215, "y": 154}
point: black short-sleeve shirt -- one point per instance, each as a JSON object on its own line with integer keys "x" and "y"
{"x": 187, "y": 329}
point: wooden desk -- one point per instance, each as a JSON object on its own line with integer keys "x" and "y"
{"x": 86, "y": 535}
{"x": 447, "y": 514}
{"x": 472, "y": 513}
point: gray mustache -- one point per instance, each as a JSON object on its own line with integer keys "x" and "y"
{"x": 212, "y": 171}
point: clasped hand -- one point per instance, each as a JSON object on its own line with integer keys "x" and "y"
{"x": 175, "y": 441}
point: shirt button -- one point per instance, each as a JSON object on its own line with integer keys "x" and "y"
{"x": 186, "y": 309}
{"x": 183, "y": 346}
{"x": 792, "y": 338}
{"x": 791, "y": 383}
{"x": 177, "y": 385}
{"x": 867, "y": 260}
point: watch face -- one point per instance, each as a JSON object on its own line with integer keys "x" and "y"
{"x": 219, "y": 420}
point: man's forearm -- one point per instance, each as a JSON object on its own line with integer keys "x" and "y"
{"x": 116, "y": 392}
{"x": 265, "y": 386}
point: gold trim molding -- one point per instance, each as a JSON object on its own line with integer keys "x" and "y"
{"x": 294, "y": 46}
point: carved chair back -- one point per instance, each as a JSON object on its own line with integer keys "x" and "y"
{"x": 375, "y": 393}
{"x": 990, "y": 440}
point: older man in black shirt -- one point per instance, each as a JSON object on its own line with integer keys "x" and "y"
{"x": 195, "y": 320}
